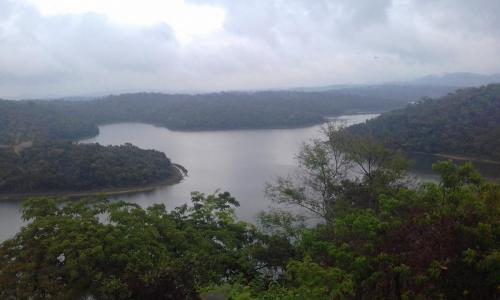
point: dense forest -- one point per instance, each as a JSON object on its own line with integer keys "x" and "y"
{"x": 52, "y": 165}
{"x": 463, "y": 123}
{"x": 379, "y": 237}
{"x": 59, "y": 119}
{"x": 41, "y": 121}
{"x": 234, "y": 110}
{"x": 63, "y": 166}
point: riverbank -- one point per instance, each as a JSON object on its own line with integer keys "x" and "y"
{"x": 466, "y": 158}
{"x": 179, "y": 172}
{"x": 459, "y": 157}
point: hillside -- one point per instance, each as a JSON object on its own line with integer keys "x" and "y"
{"x": 59, "y": 167}
{"x": 459, "y": 79}
{"x": 48, "y": 120}
{"x": 466, "y": 122}
{"x": 231, "y": 110}
{"x": 433, "y": 86}
{"x": 22, "y": 121}
{"x": 403, "y": 92}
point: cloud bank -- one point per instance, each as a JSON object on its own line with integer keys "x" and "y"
{"x": 49, "y": 48}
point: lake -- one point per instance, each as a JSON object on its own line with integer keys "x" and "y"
{"x": 238, "y": 161}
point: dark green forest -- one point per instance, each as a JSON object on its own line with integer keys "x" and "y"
{"x": 69, "y": 120}
{"x": 378, "y": 237}
{"x": 231, "y": 110}
{"x": 54, "y": 166}
{"x": 41, "y": 121}
{"x": 466, "y": 122}
{"x": 63, "y": 166}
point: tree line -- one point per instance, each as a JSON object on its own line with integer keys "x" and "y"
{"x": 64, "y": 166}
{"x": 70, "y": 120}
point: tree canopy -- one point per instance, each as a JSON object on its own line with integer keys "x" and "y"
{"x": 69, "y": 120}
{"x": 94, "y": 248}
{"x": 462, "y": 123}
{"x": 64, "y": 166}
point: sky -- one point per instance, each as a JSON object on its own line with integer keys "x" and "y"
{"x": 58, "y": 48}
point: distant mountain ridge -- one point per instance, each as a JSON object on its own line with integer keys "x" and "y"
{"x": 459, "y": 79}
{"x": 32, "y": 120}
{"x": 449, "y": 80}
{"x": 432, "y": 86}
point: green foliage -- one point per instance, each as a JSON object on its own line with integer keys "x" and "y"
{"x": 381, "y": 238}
{"x": 453, "y": 176}
{"x": 94, "y": 248}
{"x": 462, "y": 123}
{"x": 439, "y": 241}
{"x": 22, "y": 121}
{"x": 68, "y": 120}
{"x": 339, "y": 172}
{"x": 63, "y": 166}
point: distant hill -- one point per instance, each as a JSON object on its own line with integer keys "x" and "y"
{"x": 33, "y": 120}
{"x": 67, "y": 120}
{"x": 404, "y": 93}
{"x": 232, "y": 110}
{"x": 63, "y": 166}
{"x": 432, "y": 86}
{"x": 463, "y": 123}
{"x": 461, "y": 79}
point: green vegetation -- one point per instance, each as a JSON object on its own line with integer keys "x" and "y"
{"x": 108, "y": 250}
{"x": 22, "y": 121}
{"x": 378, "y": 238}
{"x": 235, "y": 110}
{"x": 464, "y": 123}
{"x": 69, "y": 120}
{"x": 63, "y": 166}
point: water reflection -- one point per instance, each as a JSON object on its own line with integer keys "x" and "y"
{"x": 422, "y": 167}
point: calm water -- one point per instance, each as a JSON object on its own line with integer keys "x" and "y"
{"x": 239, "y": 161}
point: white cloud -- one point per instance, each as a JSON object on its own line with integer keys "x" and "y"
{"x": 60, "y": 47}
{"x": 188, "y": 21}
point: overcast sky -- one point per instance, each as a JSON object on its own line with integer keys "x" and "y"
{"x": 54, "y": 48}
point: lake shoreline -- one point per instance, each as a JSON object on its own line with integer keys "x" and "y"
{"x": 460, "y": 157}
{"x": 467, "y": 158}
{"x": 179, "y": 172}
{"x": 324, "y": 120}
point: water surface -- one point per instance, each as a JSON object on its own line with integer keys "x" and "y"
{"x": 238, "y": 161}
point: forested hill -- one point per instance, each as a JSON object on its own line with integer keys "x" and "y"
{"x": 41, "y": 120}
{"x": 404, "y": 92}
{"x": 63, "y": 166}
{"x": 231, "y": 110}
{"x": 466, "y": 122}
{"x": 54, "y": 120}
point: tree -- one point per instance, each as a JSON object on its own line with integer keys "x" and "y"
{"x": 336, "y": 167}
{"x": 94, "y": 248}
{"x": 436, "y": 241}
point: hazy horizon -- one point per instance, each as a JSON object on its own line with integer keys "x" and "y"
{"x": 57, "y": 48}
